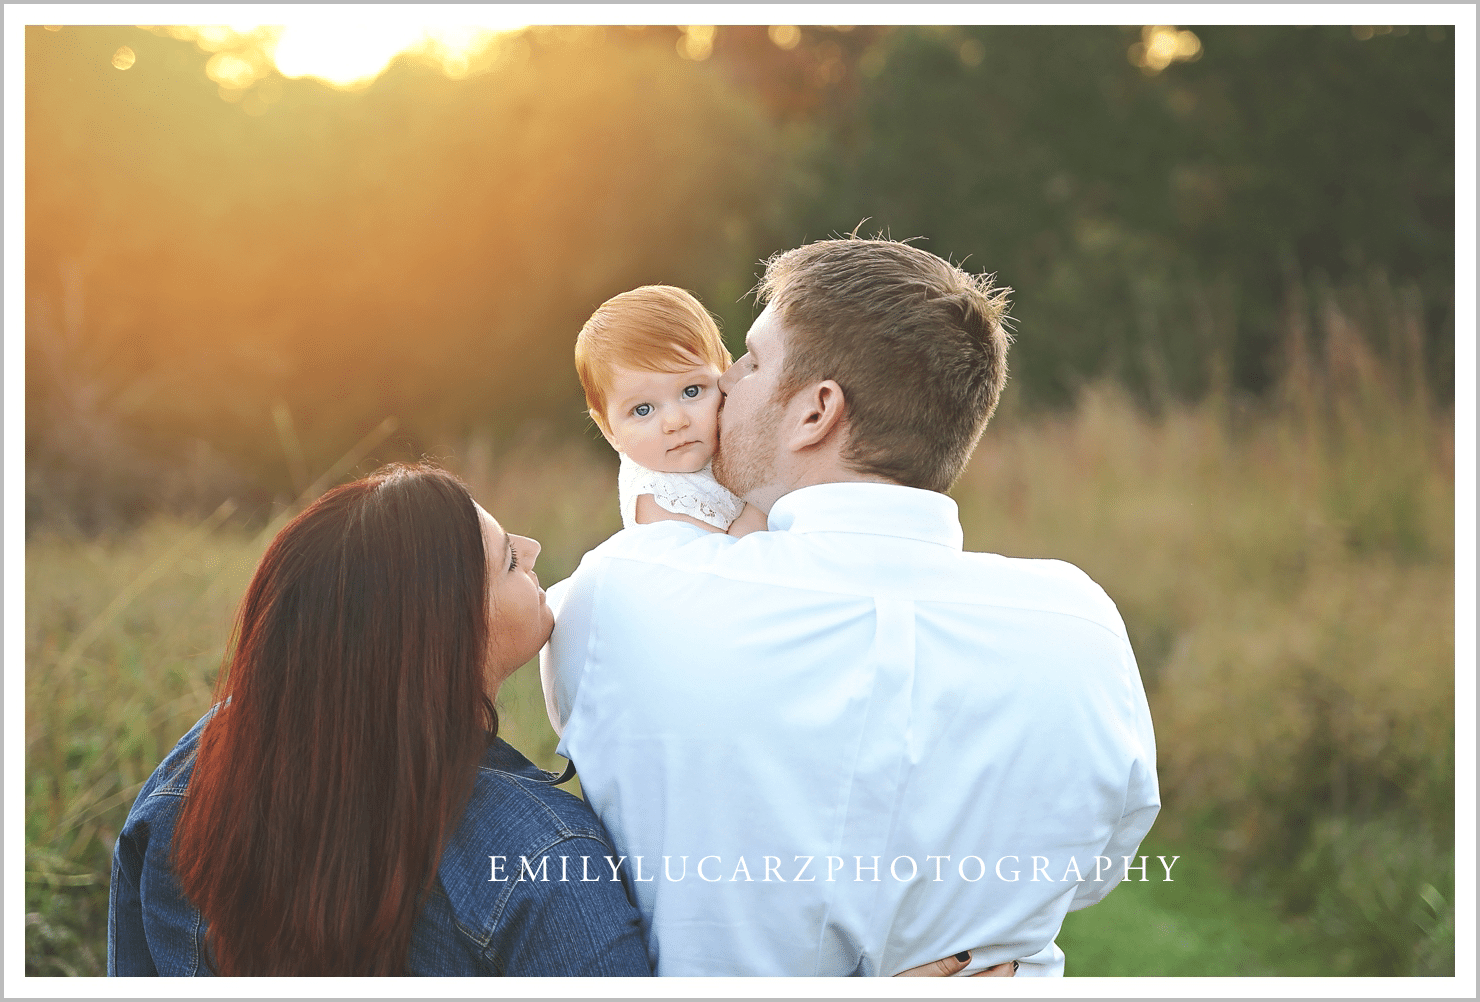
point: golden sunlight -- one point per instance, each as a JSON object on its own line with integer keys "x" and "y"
{"x": 344, "y": 54}
{"x": 1161, "y": 45}
{"x": 785, "y": 36}
{"x": 696, "y": 41}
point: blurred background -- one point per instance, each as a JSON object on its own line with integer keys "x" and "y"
{"x": 262, "y": 259}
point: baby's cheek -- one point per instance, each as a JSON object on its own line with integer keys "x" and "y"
{"x": 712, "y": 439}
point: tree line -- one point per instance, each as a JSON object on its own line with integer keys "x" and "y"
{"x": 205, "y": 277}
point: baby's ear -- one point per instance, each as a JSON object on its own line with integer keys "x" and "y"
{"x": 601, "y": 427}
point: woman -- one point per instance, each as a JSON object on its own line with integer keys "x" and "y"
{"x": 345, "y": 807}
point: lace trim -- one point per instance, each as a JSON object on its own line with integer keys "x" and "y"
{"x": 697, "y": 495}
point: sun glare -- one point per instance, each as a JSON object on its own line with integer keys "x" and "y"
{"x": 343, "y": 54}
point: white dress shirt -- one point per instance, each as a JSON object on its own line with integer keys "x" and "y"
{"x": 856, "y": 734}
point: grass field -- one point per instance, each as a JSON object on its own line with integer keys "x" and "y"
{"x": 1194, "y": 926}
{"x": 1286, "y": 577}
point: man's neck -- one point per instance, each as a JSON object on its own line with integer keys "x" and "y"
{"x": 810, "y": 475}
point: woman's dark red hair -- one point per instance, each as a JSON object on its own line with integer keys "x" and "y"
{"x": 350, "y": 720}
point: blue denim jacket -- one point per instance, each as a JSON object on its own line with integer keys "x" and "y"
{"x": 483, "y": 917}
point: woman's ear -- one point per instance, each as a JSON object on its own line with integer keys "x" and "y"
{"x": 816, "y": 412}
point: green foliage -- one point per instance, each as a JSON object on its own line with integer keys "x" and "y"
{"x": 1152, "y": 223}
{"x": 1369, "y": 889}
{"x": 123, "y": 640}
{"x": 1193, "y": 926}
{"x": 66, "y": 932}
{"x": 207, "y": 281}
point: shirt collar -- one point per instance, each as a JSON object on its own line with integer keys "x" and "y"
{"x": 873, "y": 508}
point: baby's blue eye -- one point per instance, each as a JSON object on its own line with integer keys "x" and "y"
{"x": 642, "y": 410}
{"x": 692, "y": 391}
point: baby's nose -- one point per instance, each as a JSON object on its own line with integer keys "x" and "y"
{"x": 676, "y": 418}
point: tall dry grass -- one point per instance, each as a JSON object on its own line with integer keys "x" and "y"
{"x": 1285, "y": 571}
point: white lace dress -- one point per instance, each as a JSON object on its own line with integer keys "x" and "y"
{"x": 697, "y": 495}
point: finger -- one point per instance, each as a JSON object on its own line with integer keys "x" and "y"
{"x": 939, "y": 968}
{"x": 1006, "y": 970}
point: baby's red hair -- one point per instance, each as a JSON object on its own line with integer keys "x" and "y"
{"x": 655, "y": 328}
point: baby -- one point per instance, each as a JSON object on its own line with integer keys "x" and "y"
{"x": 650, "y": 362}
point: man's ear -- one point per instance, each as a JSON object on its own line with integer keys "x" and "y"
{"x": 816, "y": 412}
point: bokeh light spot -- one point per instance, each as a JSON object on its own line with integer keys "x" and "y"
{"x": 236, "y": 71}
{"x": 696, "y": 42}
{"x": 785, "y": 36}
{"x": 1161, "y": 45}
{"x": 123, "y": 58}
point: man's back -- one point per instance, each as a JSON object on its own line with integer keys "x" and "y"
{"x": 847, "y": 736}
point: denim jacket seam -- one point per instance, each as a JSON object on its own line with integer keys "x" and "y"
{"x": 195, "y": 943}
{"x": 519, "y": 783}
{"x": 482, "y": 939}
{"x": 174, "y": 786}
{"x": 114, "y": 882}
{"x": 485, "y": 943}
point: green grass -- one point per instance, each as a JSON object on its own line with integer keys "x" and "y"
{"x": 1196, "y": 925}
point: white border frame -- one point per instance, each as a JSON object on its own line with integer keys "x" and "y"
{"x": 1463, "y": 16}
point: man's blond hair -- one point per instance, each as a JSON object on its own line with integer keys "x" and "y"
{"x": 655, "y": 328}
{"x": 918, "y": 346}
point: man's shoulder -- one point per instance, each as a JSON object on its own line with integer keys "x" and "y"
{"x": 1042, "y": 583}
{"x": 654, "y": 540}
{"x": 1059, "y": 576}
{"x": 856, "y": 565}
{"x": 671, "y": 545}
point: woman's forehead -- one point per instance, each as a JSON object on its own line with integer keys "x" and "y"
{"x": 492, "y": 531}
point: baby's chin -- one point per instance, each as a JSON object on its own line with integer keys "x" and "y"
{"x": 689, "y": 461}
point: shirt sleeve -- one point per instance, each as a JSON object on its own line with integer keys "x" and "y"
{"x": 1143, "y": 794}
{"x": 573, "y": 928}
{"x": 555, "y": 598}
{"x": 563, "y": 658}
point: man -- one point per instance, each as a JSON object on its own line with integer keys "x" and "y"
{"x": 844, "y": 746}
